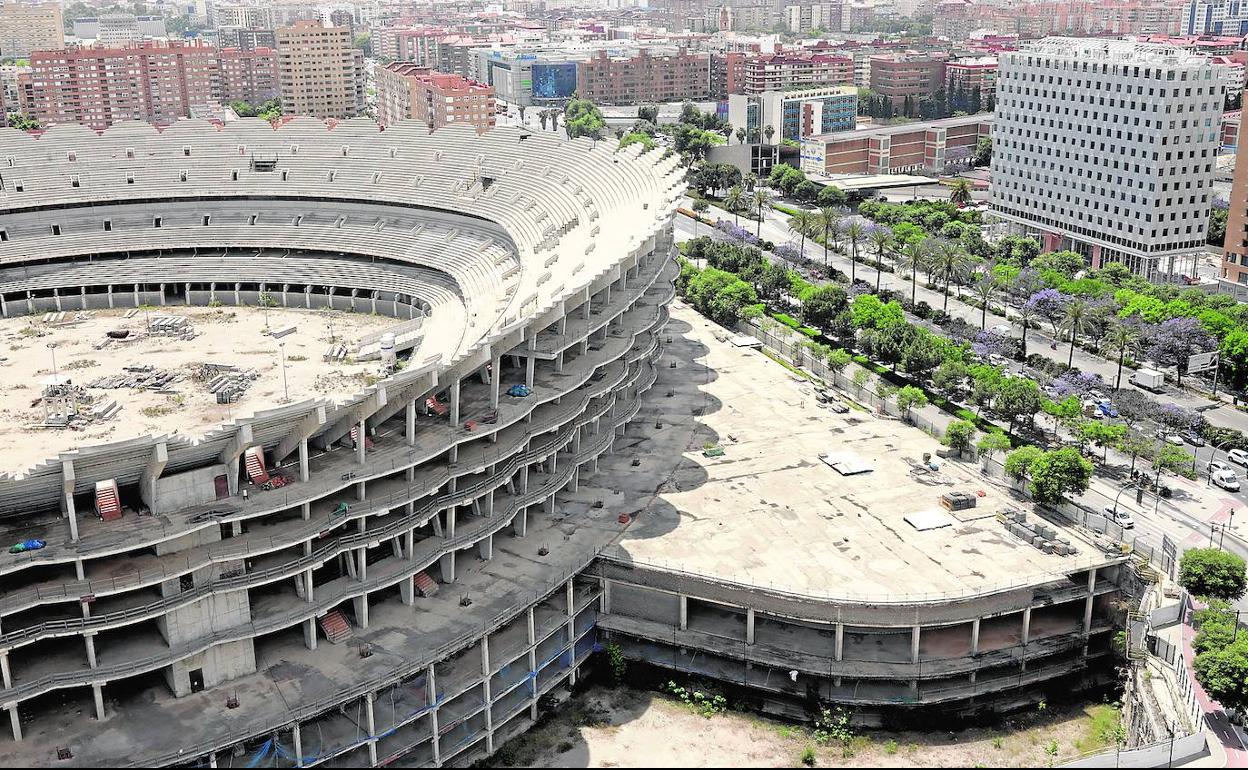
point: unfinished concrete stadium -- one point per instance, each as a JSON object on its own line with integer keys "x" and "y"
{"x": 331, "y": 445}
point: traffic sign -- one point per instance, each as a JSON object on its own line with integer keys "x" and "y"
{"x": 1201, "y": 362}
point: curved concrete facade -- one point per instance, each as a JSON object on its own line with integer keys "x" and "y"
{"x": 505, "y": 258}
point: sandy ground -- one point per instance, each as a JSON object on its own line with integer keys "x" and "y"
{"x": 602, "y": 727}
{"x": 227, "y": 335}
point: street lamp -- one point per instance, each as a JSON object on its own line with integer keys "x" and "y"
{"x": 1130, "y": 485}
{"x": 1212, "y": 456}
{"x": 52, "y": 348}
{"x": 285, "y": 388}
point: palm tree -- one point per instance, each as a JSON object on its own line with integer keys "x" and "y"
{"x": 913, "y": 255}
{"x": 984, "y": 288}
{"x": 1026, "y": 314}
{"x": 727, "y": 132}
{"x": 749, "y": 181}
{"x": 740, "y": 136}
{"x": 1077, "y": 319}
{"x": 829, "y": 222}
{"x": 881, "y": 241}
{"x": 854, "y": 233}
{"x": 762, "y": 200}
{"x": 769, "y": 132}
{"x": 960, "y": 195}
{"x": 947, "y": 259}
{"x": 1121, "y": 336}
{"x": 803, "y": 222}
{"x": 734, "y": 200}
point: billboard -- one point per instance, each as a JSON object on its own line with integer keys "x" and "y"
{"x": 1200, "y": 362}
{"x": 554, "y": 81}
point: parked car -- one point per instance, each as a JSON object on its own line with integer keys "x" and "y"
{"x": 1169, "y": 438}
{"x": 1106, "y": 408}
{"x": 1001, "y": 329}
{"x": 1119, "y": 517}
{"x": 1237, "y": 456}
{"x": 1226, "y": 479}
{"x": 1192, "y": 437}
{"x": 1218, "y": 465}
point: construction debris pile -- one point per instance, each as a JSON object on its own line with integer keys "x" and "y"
{"x": 226, "y": 381}
{"x": 66, "y": 405}
{"x": 139, "y": 377}
{"x": 175, "y": 326}
{"x": 1037, "y": 533}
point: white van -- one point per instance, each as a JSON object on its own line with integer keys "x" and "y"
{"x": 1226, "y": 479}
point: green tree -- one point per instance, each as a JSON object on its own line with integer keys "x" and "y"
{"x": 762, "y": 202}
{"x": 950, "y": 376}
{"x": 854, "y": 233}
{"x": 983, "y": 152}
{"x": 700, "y": 207}
{"x": 1212, "y": 573}
{"x": 913, "y": 255}
{"x": 734, "y": 201}
{"x": 869, "y": 312}
{"x": 803, "y": 223}
{"x": 1064, "y": 263}
{"x": 909, "y": 398}
{"x": 1224, "y": 673}
{"x": 1019, "y": 462}
{"x": 832, "y": 196}
{"x": 984, "y": 289}
{"x": 882, "y": 241}
{"x": 1101, "y": 434}
{"x": 720, "y": 295}
{"x": 838, "y": 359}
{"x": 959, "y": 435}
{"x": 1018, "y": 398}
{"x": 830, "y": 223}
{"x": 948, "y": 259}
{"x": 1076, "y": 319}
{"x": 1059, "y": 473}
{"x": 582, "y": 118}
{"x": 993, "y": 442}
{"x": 960, "y": 192}
{"x": 1136, "y": 446}
{"x": 1122, "y": 336}
{"x": 822, "y": 304}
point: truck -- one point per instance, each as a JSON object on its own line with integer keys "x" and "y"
{"x": 1148, "y": 379}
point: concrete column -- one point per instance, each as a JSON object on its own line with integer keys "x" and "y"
{"x": 532, "y": 627}
{"x": 495, "y": 377}
{"x": 305, "y": 471}
{"x": 975, "y": 636}
{"x": 6, "y": 674}
{"x": 605, "y": 607}
{"x": 1026, "y": 625}
{"x": 67, "y": 486}
{"x": 749, "y": 625}
{"x": 409, "y": 427}
{"x": 684, "y": 613}
{"x": 97, "y": 690}
{"x": 361, "y": 610}
{"x": 307, "y": 586}
{"x": 361, "y": 441}
{"x": 455, "y": 403}
{"x": 306, "y": 511}
{"x": 1087, "y": 605}
{"x": 297, "y": 737}
{"x": 407, "y": 590}
{"x": 447, "y": 565}
{"x": 451, "y": 518}
{"x": 520, "y": 524}
{"x": 840, "y": 642}
{"x": 559, "y": 362}
{"x": 15, "y": 722}
{"x": 360, "y": 495}
{"x": 486, "y": 547}
{"x": 89, "y": 640}
{"x": 529, "y": 365}
{"x": 372, "y": 729}
{"x": 914, "y": 644}
{"x": 309, "y": 633}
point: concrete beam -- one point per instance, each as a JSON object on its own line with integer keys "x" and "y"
{"x": 155, "y": 466}
{"x": 232, "y": 452}
{"x": 352, "y": 416}
{"x": 416, "y": 390}
{"x": 303, "y": 429}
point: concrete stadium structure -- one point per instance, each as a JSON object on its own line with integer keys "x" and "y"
{"x": 506, "y": 258}
{"x": 445, "y": 554}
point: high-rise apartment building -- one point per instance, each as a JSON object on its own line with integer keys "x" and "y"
{"x": 1234, "y": 273}
{"x": 780, "y": 72}
{"x": 155, "y": 82}
{"x": 912, "y": 76}
{"x": 808, "y": 16}
{"x": 244, "y": 16}
{"x": 1215, "y": 17}
{"x": 249, "y": 75}
{"x": 646, "y": 77}
{"x": 321, "y": 73}
{"x": 30, "y": 27}
{"x": 1107, "y": 147}
{"x": 407, "y": 90}
{"x": 247, "y": 39}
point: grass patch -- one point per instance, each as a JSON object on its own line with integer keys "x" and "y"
{"x": 1104, "y": 728}
{"x": 785, "y": 364}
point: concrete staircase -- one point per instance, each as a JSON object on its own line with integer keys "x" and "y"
{"x": 335, "y": 626}
{"x": 107, "y": 503}
{"x": 426, "y": 585}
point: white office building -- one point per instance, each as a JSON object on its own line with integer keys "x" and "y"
{"x": 1215, "y": 17}
{"x": 1107, "y": 147}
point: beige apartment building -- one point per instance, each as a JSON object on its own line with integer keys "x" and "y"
{"x": 407, "y": 90}
{"x": 321, "y": 74}
{"x": 27, "y": 27}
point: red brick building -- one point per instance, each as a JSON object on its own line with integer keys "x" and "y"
{"x": 249, "y": 75}
{"x": 917, "y": 76}
{"x": 644, "y": 78}
{"x": 154, "y": 82}
{"x": 895, "y": 149}
{"x": 407, "y": 90}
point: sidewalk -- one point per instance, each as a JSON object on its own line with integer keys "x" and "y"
{"x": 1228, "y": 743}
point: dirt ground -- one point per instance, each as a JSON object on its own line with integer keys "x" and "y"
{"x": 603, "y": 727}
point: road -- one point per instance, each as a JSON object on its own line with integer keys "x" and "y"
{"x": 775, "y": 228}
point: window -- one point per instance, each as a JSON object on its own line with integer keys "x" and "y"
{"x": 157, "y": 221}
{"x": 108, "y": 225}
{"x": 56, "y": 229}
{"x": 207, "y": 219}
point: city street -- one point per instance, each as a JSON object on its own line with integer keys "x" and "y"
{"x": 775, "y": 228}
